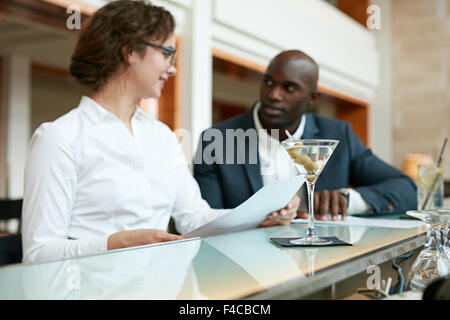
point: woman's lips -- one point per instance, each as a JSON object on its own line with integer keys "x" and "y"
{"x": 163, "y": 82}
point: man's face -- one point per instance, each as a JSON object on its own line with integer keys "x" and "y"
{"x": 286, "y": 91}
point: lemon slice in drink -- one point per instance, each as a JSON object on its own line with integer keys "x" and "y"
{"x": 426, "y": 178}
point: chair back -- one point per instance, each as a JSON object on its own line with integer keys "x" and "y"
{"x": 10, "y": 249}
{"x": 10, "y": 244}
{"x": 10, "y": 209}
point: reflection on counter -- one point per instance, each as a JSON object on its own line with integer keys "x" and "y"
{"x": 230, "y": 266}
{"x": 156, "y": 272}
{"x": 252, "y": 250}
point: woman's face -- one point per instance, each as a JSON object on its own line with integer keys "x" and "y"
{"x": 149, "y": 72}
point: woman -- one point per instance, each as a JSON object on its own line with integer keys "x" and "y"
{"x": 105, "y": 176}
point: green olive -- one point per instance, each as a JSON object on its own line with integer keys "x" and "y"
{"x": 311, "y": 166}
{"x": 302, "y": 159}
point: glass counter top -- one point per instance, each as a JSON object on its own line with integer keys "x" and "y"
{"x": 231, "y": 266}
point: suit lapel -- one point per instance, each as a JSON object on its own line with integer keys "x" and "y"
{"x": 253, "y": 171}
{"x": 311, "y": 129}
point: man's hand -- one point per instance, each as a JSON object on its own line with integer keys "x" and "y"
{"x": 140, "y": 237}
{"x": 327, "y": 202}
{"x": 283, "y": 216}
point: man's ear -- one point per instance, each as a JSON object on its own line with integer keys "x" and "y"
{"x": 314, "y": 96}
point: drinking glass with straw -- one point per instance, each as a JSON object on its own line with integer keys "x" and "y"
{"x": 433, "y": 186}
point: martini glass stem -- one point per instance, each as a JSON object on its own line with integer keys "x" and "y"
{"x": 311, "y": 230}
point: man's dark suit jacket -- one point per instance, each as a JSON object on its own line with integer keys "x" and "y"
{"x": 352, "y": 164}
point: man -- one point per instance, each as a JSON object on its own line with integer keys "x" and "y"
{"x": 288, "y": 87}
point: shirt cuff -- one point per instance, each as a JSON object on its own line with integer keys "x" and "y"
{"x": 94, "y": 246}
{"x": 356, "y": 203}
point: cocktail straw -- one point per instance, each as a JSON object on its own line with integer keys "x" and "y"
{"x": 288, "y": 134}
{"x": 442, "y": 152}
{"x": 436, "y": 177}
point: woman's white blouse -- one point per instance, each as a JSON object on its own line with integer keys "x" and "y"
{"x": 87, "y": 176}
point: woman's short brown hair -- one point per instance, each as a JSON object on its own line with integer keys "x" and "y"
{"x": 123, "y": 23}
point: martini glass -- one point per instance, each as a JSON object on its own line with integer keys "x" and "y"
{"x": 310, "y": 157}
{"x": 434, "y": 260}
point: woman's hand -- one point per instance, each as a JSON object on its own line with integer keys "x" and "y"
{"x": 140, "y": 237}
{"x": 283, "y": 216}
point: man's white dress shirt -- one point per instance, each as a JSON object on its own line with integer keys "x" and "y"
{"x": 276, "y": 164}
{"x": 87, "y": 176}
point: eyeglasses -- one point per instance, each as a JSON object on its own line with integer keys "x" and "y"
{"x": 169, "y": 53}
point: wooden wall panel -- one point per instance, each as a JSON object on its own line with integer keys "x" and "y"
{"x": 236, "y": 63}
{"x": 356, "y": 9}
{"x": 38, "y": 11}
{"x": 168, "y": 103}
{"x": 2, "y": 136}
{"x": 223, "y": 111}
{"x": 352, "y": 110}
{"x": 357, "y": 116}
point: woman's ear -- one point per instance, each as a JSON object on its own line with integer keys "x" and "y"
{"x": 128, "y": 55}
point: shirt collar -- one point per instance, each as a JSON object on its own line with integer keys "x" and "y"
{"x": 297, "y": 134}
{"x": 97, "y": 113}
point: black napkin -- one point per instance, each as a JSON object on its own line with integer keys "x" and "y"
{"x": 285, "y": 242}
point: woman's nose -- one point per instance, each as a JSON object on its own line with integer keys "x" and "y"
{"x": 172, "y": 71}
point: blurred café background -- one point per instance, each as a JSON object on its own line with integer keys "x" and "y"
{"x": 384, "y": 67}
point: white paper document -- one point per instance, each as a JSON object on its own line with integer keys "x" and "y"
{"x": 252, "y": 212}
{"x": 370, "y": 222}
